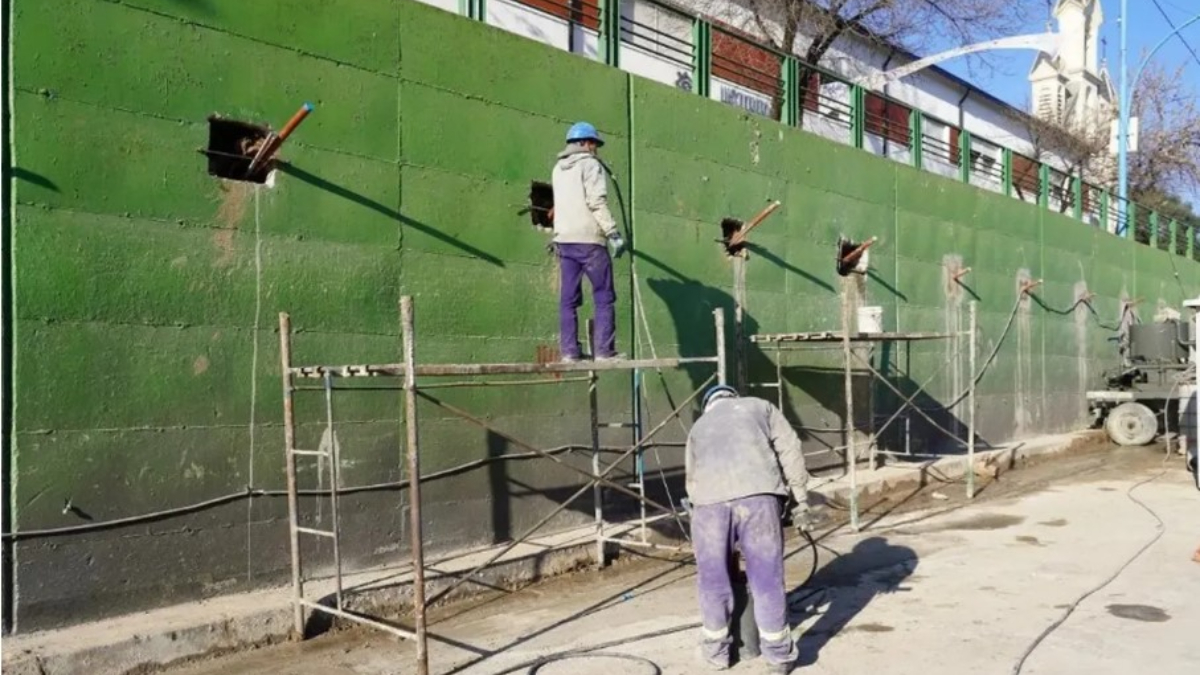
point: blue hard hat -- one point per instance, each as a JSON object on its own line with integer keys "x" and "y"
{"x": 583, "y": 131}
{"x": 719, "y": 390}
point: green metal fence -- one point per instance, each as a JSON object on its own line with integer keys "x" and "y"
{"x": 797, "y": 88}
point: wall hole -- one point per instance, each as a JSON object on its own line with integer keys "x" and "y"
{"x": 730, "y": 227}
{"x": 541, "y": 205}
{"x": 846, "y": 262}
{"x": 232, "y": 145}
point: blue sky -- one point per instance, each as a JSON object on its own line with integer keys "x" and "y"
{"x": 1147, "y": 26}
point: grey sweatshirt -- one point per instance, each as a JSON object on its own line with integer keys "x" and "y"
{"x": 743, "y": 447}
{"x": 581, "y": 214}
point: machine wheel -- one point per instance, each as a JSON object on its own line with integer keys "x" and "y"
{"x": 1131, "y": 424}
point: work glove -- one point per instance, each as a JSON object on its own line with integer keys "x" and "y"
{"x": 616, "y": 243}
{"x": 802, "y": 520}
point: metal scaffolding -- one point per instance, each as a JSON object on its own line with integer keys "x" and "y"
{"x": 412, "y": 373}
{"x": 784, "y": 342}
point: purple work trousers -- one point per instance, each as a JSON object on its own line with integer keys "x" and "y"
{"x": 752, "y": 525}
{"x": 575, "y": 261}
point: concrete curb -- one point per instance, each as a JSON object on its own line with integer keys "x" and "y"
{"x": 147, "y": 641}
{"x": 988, "y": 464}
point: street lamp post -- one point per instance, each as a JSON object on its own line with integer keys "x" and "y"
{"x": 1123, "y": 129}
{"x": 1125, "y": 104}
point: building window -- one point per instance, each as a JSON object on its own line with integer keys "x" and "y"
{"x": 740, "y": 61}
{"x": 575, "y": 11}
{"x": 887, "y": 119}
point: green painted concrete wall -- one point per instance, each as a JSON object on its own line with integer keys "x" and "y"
{"x": 146, "y": 293}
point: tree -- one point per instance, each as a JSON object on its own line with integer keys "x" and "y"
{"x": 810, "y": 28}
{"x": 1168, "y": 154}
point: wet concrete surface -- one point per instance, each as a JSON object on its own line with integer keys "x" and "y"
{"x": 1138, "y": 613}
{"x": 932, "y": 587}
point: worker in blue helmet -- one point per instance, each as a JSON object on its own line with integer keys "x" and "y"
{"x": 583, "y": 226}
{"x": 743, "y": 461}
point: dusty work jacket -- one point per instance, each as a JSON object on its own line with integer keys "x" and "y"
{"x": 742, "y": 447}
{"x": 581, "y": 214}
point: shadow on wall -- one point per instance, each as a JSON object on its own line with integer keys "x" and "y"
{"x": 766, "y": 254}
{"x": 825, "y": 385}
{"x": 363, "y": 200}
{"x": 690, "y": 304}
{"x": 498, "y": 484}
{"x": 34, "y": 178}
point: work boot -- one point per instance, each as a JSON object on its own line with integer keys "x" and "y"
{"x": 715, "y": 653}
{"x": 780, "y": 655}
{"x": 615, "y": 356}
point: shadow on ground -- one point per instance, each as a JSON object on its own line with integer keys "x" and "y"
{"x": 845, "y": 586}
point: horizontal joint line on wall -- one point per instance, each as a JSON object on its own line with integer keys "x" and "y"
{"x": 205, "y": 326}
{"x": 225, "y": 31}
{"x": 476, "y": 97}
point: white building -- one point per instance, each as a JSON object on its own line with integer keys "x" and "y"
{"x": 657, "y": 41}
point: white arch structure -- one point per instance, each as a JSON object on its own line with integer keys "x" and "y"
{"x": 1042, "y": 42}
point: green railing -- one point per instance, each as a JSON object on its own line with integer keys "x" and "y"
{"x": 797, "y": 91}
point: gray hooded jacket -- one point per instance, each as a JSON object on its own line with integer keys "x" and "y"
{"x": 581, "y": 214}
{"x": 742, "y": 447}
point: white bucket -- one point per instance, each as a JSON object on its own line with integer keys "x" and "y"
{"x": 870, "y": 320}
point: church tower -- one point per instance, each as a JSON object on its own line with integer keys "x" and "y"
{"x": 1073, "y": 87}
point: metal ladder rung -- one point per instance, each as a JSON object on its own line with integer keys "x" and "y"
{"x": 315, "y": 453}
{"x": 616, "y": 425}
{"x": 765, "y": 385}
{"x": 319, "y": 533}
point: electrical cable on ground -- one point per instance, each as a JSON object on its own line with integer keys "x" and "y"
{"x": 1160, "y": 528}
{"x": 596, "y": 648}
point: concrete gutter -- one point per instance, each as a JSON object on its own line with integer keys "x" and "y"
{"x": 146, "y": 641}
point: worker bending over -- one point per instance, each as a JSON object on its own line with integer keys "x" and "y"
{"x": 582, "y": 226}
{"x": 743, "y": 461}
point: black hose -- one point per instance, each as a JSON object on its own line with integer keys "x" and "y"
{"x": 812, "y": 546}
{"x": 653, "y": 667}
{"x": 812, "y": 570}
